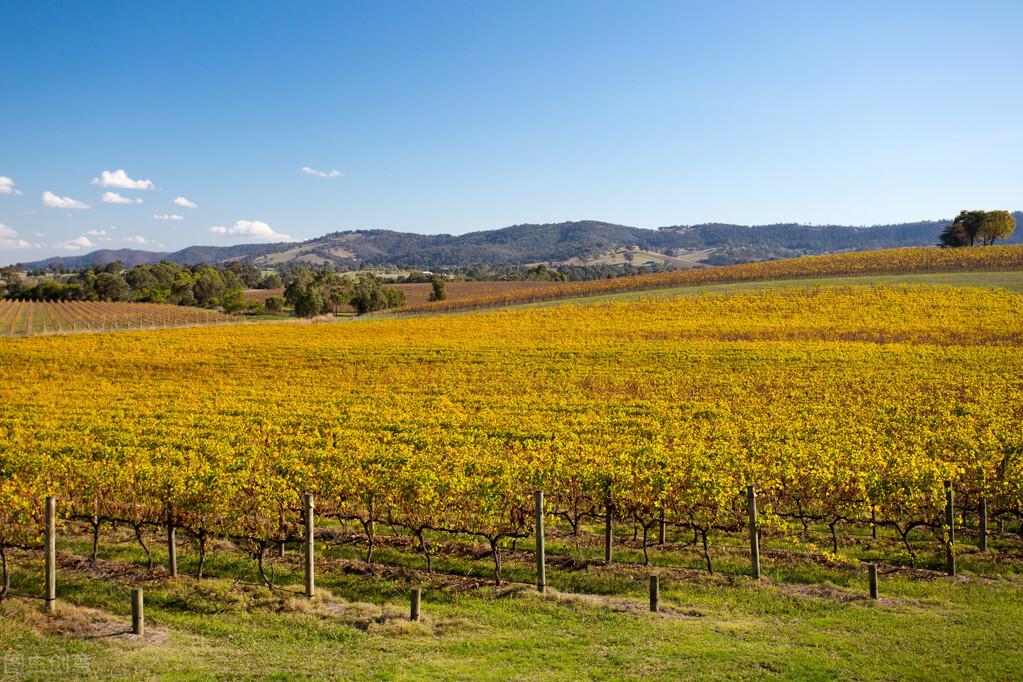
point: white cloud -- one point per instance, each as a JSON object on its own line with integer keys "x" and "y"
{"x": 184, "y": 203}
{"x": 7, "y": 186}
{"x": 97, "y": 233}
{"x": 137, "y": 239}
{"x": 168, "y": 216}
{"x": 115, "y": 198}
{"x": 76, "y": 244}
{"x": 9, "y": 239}
{"x": 332, "y": 173}
{"x": 53, "y": 201}
{"x": 250, "y": 228}
{"x": 118, "y": 179}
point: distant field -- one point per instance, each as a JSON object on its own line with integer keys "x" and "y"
{"x": 865, "y": 264}
{"x": 1011, "y": 280}
{"x": 29, "y": 318}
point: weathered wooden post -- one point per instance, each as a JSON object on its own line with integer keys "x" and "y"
{"x": 138, "y": 623}
{"x": 950, "y": 529}
{"x": 172, "y": 550}
{"x": 310, "y": 578}
{"x": 655, "y": 593}
{"x": 660, "y": 529}
{"x": 872, "y": 577}
{"x": 541, "y": 565}
{"x": 983, "y": 524}
{"x": 607, "y": 529}
{"x": 754, "y": 528}
{"x": 51, "y": 553}
{"x": 417, "y": 595}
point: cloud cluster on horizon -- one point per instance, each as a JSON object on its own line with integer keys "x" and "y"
{"x": 255, "y": 229}
{"x": 114, "y": 180}
{"x": 332, "y": 173}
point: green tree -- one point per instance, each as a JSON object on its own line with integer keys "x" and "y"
{"x": 234, "y": 301}
{"x": 111, "y": 287}
{"x": 438, "y": 293}
{"x": 996, "y": 225}
{"x": 369, "y": 294}
{"x": 274, "y": 304}
{"x": 181, "y": 289}
{"x": 208, "y": 287}
{"x": 271, "y": 281}
{"x": 302, "y": 293}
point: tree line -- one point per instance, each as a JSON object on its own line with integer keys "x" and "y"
{"x": 199, "y": 285}
{"x": 324, "y": 291}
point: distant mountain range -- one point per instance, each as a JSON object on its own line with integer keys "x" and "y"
{"x": 578, "y": 242}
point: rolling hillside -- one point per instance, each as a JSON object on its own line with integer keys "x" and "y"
{"x": 578, "y": 242}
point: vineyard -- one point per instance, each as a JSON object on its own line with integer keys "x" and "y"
{"x": 30, "y": 318}
{"x": 839, "y": 405}
{"x": 891, "y": 262}
{"x": 851, "y": 410}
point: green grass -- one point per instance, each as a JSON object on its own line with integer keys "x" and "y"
{"x": 807, "y": 619}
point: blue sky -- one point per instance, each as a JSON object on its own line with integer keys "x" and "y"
{"x": 460, "y": 116}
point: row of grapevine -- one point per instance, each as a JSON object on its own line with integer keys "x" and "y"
{"x": 30, "y": 318}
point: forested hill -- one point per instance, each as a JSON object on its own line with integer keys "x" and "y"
{"x": 580, "y": 241}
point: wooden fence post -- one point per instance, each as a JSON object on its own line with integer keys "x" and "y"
{"x": 541, "y": 566}
{"x": 950, "y": 529}
{"x": 417, "y": 595}
{"x": 607, "y": 529}
{"x": 51, "y": 554}
{"x": 983, "y": 524}
{"x": 172, "y": 550}
{"x": 872, "y": 577}
{"x": 754, "y": 528}
{"x": 138, "y": 624}
{"x": 310, "y": 578}
{"x": 660, "y": 528}
{"x": 655, "y": 593}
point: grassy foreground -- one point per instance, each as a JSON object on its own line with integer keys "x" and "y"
{"x": 807, "y": 619}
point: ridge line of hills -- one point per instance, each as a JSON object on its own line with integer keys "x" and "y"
{"x": 571, "y": 243}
